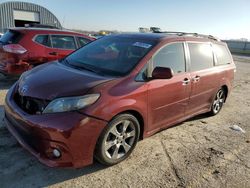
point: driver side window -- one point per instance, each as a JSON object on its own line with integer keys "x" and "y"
{"x": 171, "y": 56}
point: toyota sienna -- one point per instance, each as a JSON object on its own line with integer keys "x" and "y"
{"x": 100, "y": 100}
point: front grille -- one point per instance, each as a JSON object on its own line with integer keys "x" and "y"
{"x": 29, "y": 104}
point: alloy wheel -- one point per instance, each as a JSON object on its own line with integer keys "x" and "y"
{"x": 120, "y": 139}
{"x": 218, "y": 101}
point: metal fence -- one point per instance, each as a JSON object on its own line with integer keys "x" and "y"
{"x": 241, "y": 47}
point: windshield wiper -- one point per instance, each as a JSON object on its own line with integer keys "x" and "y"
{"x": 81, "y": 67}
{"x": 88, "y": 69}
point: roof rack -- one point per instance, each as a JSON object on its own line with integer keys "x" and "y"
{"x": 190, "y": 34}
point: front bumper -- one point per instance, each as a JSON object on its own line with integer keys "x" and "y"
{"x": 74, "y": 134}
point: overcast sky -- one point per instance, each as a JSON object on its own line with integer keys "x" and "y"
{"x": 223, "y": 18}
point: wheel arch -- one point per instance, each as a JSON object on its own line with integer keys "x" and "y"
{"x": 139, "y": 117}
{"x": 225, "y": 88}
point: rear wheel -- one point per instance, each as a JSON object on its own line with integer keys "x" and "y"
{"x": 218, "y": 102}
{"x": 117, "y": 140}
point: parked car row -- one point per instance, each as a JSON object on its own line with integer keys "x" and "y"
{"x": 24, "y": 48}
{"x": 101, "y": 99}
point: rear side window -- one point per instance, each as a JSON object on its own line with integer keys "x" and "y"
{"x": 83, "y": 41}
{"x": 11, "y": 37}
{"x": 43, "y": 39}
{"x": 63, "y": 42}
{"x": 222, "y": 54}
{"x": 201, "y": 56}
{"x": 171, "y": 56}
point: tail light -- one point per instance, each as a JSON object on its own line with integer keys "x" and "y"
{"x": 14, "y": 48}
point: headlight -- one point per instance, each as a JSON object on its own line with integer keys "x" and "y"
{"x": 70, "y": 103}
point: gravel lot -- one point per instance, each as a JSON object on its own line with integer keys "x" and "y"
{"x": 201, "y": 152}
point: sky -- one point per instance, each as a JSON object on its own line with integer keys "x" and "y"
{"x": 226, "y": 19}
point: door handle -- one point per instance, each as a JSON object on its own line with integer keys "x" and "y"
{"x": 196, "y": 78}
{"x": 185, "y": 81}
{"x": 53, "y": 53}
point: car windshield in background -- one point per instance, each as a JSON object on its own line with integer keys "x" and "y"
{"x": 111, "y": 55}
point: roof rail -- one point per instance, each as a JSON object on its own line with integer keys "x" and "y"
{"x": 191, "y": 34}
{"x": 36, "y": 25}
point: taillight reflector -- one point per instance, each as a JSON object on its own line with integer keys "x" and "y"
{"x": 14, "y": 48}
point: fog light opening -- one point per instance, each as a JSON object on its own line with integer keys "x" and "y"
{"x": 56, "y": 153}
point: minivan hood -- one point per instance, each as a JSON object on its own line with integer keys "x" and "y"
{"x": 53, "y": 80}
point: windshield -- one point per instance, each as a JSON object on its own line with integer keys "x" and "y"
{"x": 111, "y": 55}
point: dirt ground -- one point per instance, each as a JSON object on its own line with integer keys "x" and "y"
{"x": 201, "y": 152}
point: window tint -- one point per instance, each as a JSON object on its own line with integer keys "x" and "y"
{"x": 43, "y": 39}
{"x": 222, "y": 54}
{"x": 11, "y": 37}
{"x": 83, "y": 41}
{"x": 171, "y": 56}
{"x": 63, "y": 42}
{"x": 201, "y": 56}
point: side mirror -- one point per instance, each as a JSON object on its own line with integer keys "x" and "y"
{"x": 162, "y": 73}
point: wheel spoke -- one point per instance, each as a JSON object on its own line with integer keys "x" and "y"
{"x": 217, "y": 95}
{"x": 115, "y": 153}
{"x": 109, "y": 144}
{"x": 130, "y": 134}
{"x": 125, "y": 125}
{"x": 215, "y": 102}
{"x": 217, "y": 107}
{"x": 126, "y": 147}
{"x": 114, "y": 131}
{"x": 220, "y": 94}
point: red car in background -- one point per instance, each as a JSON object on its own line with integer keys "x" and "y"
{"x": 24, "y": 48}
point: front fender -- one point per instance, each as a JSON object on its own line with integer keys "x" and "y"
{"x": 124, "y": 105}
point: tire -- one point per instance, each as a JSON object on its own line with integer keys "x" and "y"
{"x": 218, "y": 102}
{"x": 117, "y": 140}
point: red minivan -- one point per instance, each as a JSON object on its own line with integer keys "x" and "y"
{"x": 101, "y": 99}
{"x": 24, "y": 48}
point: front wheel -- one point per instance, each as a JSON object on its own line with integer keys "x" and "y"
{"x": 218, "y": 102}
{"x": 117, "y": 140}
